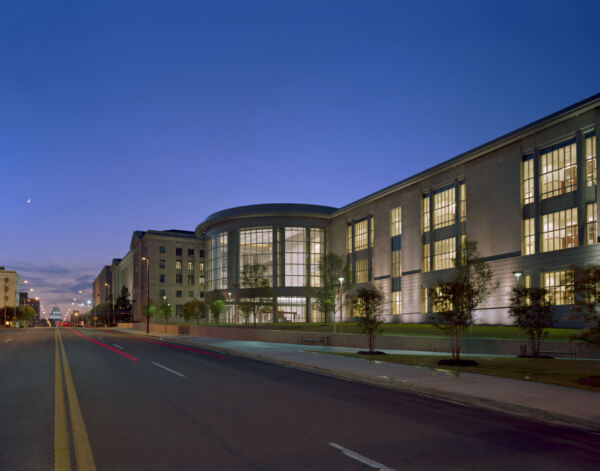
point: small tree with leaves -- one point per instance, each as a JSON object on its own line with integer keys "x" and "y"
{"x": 332, "y": 267}
{"x": 369, "y": 303}
{"x": 587, "y": 302}
{"x": 217, "y": 309}
{"x": 165, "y": 310}
{"x": 454, "y": 302}
{"x": 123, "y": 304}
{"x": 194, "y": 309}
{"x": 257, "y": 292}
{"x": 533, "y": 312}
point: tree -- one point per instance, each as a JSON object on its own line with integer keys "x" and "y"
{"x": 332, "y": 267}
{"x": 148, "y": 310}
{"x": 258, "y": 295}
{"x": 533, "y": 312}
{"x": 368, "y": 303}
{"x": 216, "y": 308}
{"x": 215, "y": 295}
{"x": 194, "y": 309}
{"x": 165, "y": 310}
{"x": 26, "y": 313}
{"x": 454, "y": 302}
{"x": 585, "y": 282}
{"x": 123, "y": 304}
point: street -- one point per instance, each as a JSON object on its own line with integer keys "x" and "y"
{"x": 99, "y": 399}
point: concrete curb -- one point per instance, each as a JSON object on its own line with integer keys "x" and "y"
{"x": 532, "y": 413}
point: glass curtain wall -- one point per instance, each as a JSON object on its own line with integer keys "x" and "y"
{"x": 295, "y": 256}
{"x": 256, "y": 248}
{"x": 216, "y": 260}
{"x": 291, "y": 309}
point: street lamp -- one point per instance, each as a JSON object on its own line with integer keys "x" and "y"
{"x": 229, "y": 307}
{"x": 147, "y": 260}
{"x": 518, "y": 275}
{"x": 341, "y": 280}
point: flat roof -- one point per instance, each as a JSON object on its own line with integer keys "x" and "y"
{"x": 270, "y": 209}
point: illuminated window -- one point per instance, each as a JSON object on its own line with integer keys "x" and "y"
{"x": 201, "y": 280}
{"x": 425, "y": 214}
{"x": 396, "y": 263}
{"x": 396, "y": 222}
{"x": 444, "y": 253}
{"x": 559, "y": 230}
{"x": 216, "y": 261}
{"x": 361, "y": 235}
{"x": 426, "y": 257}
{"x": 559, "y": 286}
{"x": 349, "y": 238}
{"x": 528, "y": 180}
{"x": 177, "y": 264}
{"x": 528, "y": 237}
{"x": 256, "y": 248}
{"x": 371, "y": 231}
{"x": 558, "y": 170}
{"x": 201, "y": 267}
{"x": 591, "y": 223}
{"x": 444, "y": 208}
{"x": 462, "y": 193}
{"x": 440, "y": 306}
{"x": 396, "y": 302}
{"x": 295, "y": 256}
{"x": 291, "y": 309}
{"x": 590, "y": 159}
{"x": 190, "y": 266}
{"x": 317, "y": 250}
{"x": 362, "y": 271}
{"x": 424, "y": 300}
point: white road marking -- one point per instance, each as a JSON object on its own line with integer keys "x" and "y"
{"x": 8, "y": 340}
{"x": 361, "y": 458}
{"x": 168, "y": 369}
{"x": 119, "y": 346}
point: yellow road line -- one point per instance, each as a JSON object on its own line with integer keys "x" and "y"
{"x": 81, "y": 441}
{"x": 62, "y": 453}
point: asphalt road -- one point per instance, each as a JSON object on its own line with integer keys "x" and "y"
{"x": 92, "y": 399}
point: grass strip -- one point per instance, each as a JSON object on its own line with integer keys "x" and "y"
{"x": 551, "y": 371}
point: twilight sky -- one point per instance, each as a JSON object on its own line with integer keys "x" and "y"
{"x": 118, "y": 116}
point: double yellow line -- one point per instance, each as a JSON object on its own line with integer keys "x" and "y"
{"x": 81, "y": 442}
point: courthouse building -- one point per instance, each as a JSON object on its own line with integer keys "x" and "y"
{"x": 528, "y": 198}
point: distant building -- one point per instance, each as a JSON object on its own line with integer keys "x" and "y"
{"x": 176, "y": 269}
{"x": 9, "y": 288}
{"x": 99, "y": 289}
{"x": 55, "y": 314}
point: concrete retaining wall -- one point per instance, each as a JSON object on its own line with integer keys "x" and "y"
{"x": 426, "y": 344}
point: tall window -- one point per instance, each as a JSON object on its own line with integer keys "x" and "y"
{"x": 362, "y": 271}
{"x": 558, "y": 170}
{"x": 426, "y": 223}
{"x": 295, "y": 256}
{"x": 216, "y": 261}
{"x": 591, "y": 223}
{"x": 177, "y": 264}
{"x": 190, "y": 266}
{"x": 462, "y": 194}
{"x": 444, "y": 253}
{"x": 349, "y": 239}
{"x": 396, "y": 302}
{"x": 361, "y": 235}
{"x": 396, "y": 263}
{"x": 528, "y": 236}
{"x": 590, "y": 159}
{"x": 426, "y": 257}
{"x": 444, "y": 207}
{"x": 424, "y": 300}
{"x": 395, "y": 222}
{"x": 317, "y": 250}
{"x": 559, "y": 286}
{"x": 559, "y": 230}
{"x": 528, "y": 180}
{"x": 256, "y": 248}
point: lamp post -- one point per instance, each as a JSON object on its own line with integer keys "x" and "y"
{"x": 518, "y": 275}
{"x": 147, "y": 260}
{"x": 229, "y": 307}
{"x": 341, "y": 280}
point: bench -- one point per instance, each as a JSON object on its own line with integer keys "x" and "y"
{"x": 321, "y": 340}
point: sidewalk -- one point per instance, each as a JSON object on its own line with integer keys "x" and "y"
{"x": 537, "y": 401}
